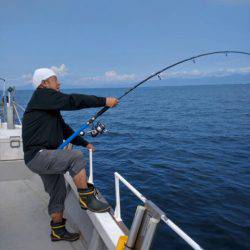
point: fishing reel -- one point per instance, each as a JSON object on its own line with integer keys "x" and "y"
{"x": 97, "y": 129}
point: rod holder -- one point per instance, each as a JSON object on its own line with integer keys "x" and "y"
{"x": 135, "y": 227}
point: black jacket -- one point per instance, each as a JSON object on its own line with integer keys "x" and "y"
{"x": 43, "y": 126}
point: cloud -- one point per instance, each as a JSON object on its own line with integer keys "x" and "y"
{"x": 243, "y": 70}
{"x": 27, "y": 78}
{"x": 62, "y": 70}
{"x": 110, "y": 76}
{"x": 113, "y": 78}
{"x": 200, "y": 74}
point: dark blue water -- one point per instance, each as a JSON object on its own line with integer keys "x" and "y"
{"x": 185, "y": 148}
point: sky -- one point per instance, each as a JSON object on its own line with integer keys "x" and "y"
{"x": 114, "y": 43}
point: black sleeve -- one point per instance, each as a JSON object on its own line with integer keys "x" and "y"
{"x": 49, "y": 99}
{"x": 68, "y": 131}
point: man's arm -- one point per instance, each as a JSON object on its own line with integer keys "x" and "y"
{"x": 68, "y": 131}
{"x": 49, "y": 99}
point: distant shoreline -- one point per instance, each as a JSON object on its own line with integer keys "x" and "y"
{"x": 145, "y": 86}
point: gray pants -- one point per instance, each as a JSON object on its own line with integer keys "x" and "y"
{"x": 51, "y": 165}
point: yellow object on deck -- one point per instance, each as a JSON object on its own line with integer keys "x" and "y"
{"x": 122, "y": 242}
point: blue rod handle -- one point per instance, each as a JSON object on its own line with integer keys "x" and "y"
{"x": 77, "y": 132}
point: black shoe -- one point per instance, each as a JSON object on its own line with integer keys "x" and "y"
{"x": 59, "y": 232}
{"x": 89, "y": 201}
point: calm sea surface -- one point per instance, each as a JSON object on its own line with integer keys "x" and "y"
{"x": 185, "y": 148}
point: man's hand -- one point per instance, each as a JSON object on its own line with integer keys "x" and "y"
{"x": 90, "y": 146}
{"x": 111, "y": 102}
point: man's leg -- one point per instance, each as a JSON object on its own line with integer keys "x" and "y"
{"x": 85, "y": 190}
{"x": 80, "y": 179}
{"x": 54, "y": 185}
{"x": 57, "y": 217}
{"x": 60, "y": 161}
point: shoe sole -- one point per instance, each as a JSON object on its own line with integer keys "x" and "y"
{"x": 56, "y": 239}
{"x": 95, "y": 211}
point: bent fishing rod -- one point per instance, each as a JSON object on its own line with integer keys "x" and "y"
{"x": 100, "y": 128}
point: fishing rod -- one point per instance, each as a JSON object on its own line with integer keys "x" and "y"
{"x": 100, "y": 128}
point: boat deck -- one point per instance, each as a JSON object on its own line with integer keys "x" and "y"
{"x": 24, "y": 221}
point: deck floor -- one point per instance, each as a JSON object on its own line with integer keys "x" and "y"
{"x": 24, "y": 222}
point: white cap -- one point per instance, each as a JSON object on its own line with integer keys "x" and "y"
{"x": 42, "y": 74}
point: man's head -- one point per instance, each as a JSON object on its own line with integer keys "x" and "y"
{"x": 45, "y": 78}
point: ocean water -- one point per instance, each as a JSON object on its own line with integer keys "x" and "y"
{"x": 185, "y": 148}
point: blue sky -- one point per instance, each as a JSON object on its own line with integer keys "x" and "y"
{"x": 106, "y": 43}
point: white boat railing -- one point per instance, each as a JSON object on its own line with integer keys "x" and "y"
{"x": 91, "y": 176}
{"x": 117, "y": 213}
{"x": 163, "y": 216}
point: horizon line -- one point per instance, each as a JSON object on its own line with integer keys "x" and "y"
{"x": 146, "y": 86}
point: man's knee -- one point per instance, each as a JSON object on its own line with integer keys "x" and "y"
{"x": 79, "y": 163}
{"x": 78, "y": 154}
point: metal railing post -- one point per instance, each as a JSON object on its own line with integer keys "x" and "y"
{"x": 117, "y": 197}
{"x": 15, "y": 109}
{"x": 91, "y": 178}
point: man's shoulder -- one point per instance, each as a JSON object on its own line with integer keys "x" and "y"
{"x": 40, "y": 94}
{"x": 39, "y": 91}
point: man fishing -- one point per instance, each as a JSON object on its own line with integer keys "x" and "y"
{"x": 43, "y": 130}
